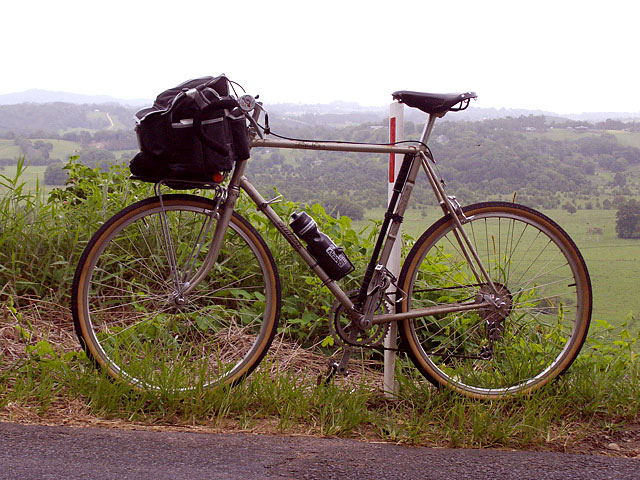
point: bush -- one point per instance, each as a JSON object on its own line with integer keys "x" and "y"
{"x": 42, "y": 241}
{"x": 628, "y": 220}
{"x": 55, "y": 174}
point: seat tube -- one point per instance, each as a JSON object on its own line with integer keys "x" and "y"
{"x": 400, "y": 208}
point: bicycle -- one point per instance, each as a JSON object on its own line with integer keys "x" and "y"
{"x": 179, "y": 291}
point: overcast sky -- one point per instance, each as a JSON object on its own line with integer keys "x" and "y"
{"x": 564, "y": 56}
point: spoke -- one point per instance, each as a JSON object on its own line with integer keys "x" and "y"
{"x": 542, "y": 274}
{"x": 535, "y": 260}
{"x": 116, "y": 261}
{"x": 105, "y": 325}
{"x": 538, "y": 275}
{"x": 118, "y": 305}
{"x": 146, "y": 242}
{"x": 535, "y": 317}
{"x": 137, "y": 286}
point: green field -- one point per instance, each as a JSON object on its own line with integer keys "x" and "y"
{"x": 30, "y": 177}
{"x": 8, "y": 149}
{"x": 613, "y": 263}
{"x": 628, "y": 139}
{"x": 62, "y": 149}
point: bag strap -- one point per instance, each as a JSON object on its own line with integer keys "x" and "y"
{"x": 226, "y": 104}
{"x": 197, "y": 94}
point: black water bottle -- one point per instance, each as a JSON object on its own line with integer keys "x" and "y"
{"x": 331, "y": 258}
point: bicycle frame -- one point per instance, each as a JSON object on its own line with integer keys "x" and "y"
{"x": 181, "y": 293}
{"x": 415, "y": 158}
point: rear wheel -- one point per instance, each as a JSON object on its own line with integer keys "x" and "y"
{"x": 130, "y": 313}
{"x": 541, "y": 302}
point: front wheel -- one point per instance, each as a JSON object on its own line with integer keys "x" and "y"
{"x": 541, "y": 298}
{"x": 137, "y": 316}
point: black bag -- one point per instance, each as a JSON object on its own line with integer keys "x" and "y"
{"x": 191, "y": 132}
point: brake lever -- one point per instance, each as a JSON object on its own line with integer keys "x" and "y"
{"x": 248, "y": 104}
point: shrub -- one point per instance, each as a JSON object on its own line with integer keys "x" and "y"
{"x": 42, "y": 240}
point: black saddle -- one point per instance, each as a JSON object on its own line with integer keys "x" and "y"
{"x": 435, "y": 102}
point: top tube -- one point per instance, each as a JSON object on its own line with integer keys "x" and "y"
{"x": 336, "y": 147}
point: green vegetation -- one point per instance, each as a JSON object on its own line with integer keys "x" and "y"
{"x": 9, "y": 150}
{"x": 44, "y": 378}
{"x": 32, "y": 176}
{"x": 43, "y": 372}
{"x": 628, "y": 219}
{"x": 53, "y": 118}
{"x": 549, "y": 165}
{"x": 614, "y": 273}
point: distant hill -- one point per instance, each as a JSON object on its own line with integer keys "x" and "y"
{"x": 61, "y": 117}
{"x": 59, "y": 112}
{"x": 337, "y": 112}
{"x": 46, "y": 96}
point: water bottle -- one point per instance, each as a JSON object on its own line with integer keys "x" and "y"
{"x": 331, "y": 258}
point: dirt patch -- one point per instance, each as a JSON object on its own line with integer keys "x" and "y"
{"x": 623, "y": 442}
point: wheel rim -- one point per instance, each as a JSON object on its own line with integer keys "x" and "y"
{"x": 541, "y": 290}
{"x": 146, "y": 332}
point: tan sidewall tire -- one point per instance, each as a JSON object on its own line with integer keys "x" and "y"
{"x": 425, "y": 242}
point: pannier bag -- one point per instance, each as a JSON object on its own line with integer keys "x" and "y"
{"x": 191, "y": 133}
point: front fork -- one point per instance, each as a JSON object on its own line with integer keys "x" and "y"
{"x": 181, "y": 275}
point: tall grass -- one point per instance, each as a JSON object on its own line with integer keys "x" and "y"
{"x": 598, "y": 396}
{"x": 42, "y": 238}
{"x": 43, "y": 374}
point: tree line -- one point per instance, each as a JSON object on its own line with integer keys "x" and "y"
{"x": 49, "y": 119}
{"x": 478, "y": 160}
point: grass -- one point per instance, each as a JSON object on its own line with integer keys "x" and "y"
{"x": 62, "y": 149}
{"x": 627, "y": 139}
{"x": 44, "y": 376}
{"x": 613, "y": 263}
{"x": 8, "y": 149}
{"x": 32, "y": 177}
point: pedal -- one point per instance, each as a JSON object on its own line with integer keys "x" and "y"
{"x": 330, "y": 375}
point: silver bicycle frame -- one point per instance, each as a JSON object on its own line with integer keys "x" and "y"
{"x": 422, "y": 159}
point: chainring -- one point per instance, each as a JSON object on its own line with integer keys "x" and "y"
{"x": 340, "y": 325}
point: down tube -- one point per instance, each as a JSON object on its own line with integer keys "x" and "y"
{"x": 277, "y": 222}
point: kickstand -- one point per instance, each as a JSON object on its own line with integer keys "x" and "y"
{"x": 335, "y": 367}
{"x": 329, "y": 376}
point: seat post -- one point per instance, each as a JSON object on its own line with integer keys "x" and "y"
{"x": 426, "y": 133}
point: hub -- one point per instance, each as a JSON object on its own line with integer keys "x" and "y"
{"x": 178, "y": 299}
{"x": 501, "y": 303}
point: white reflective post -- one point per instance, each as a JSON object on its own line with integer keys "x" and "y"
{"x": 396, "y": 134}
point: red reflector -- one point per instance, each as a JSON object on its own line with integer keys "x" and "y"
{"x": 218, "y": 177}
{"x": 392, "y": 157}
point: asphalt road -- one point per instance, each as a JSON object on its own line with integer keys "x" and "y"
{"x": 43, "y": 452}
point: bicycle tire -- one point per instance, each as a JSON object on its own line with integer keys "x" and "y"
{"x": 544, "y": 302}
{"x": 125, "y": 307}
